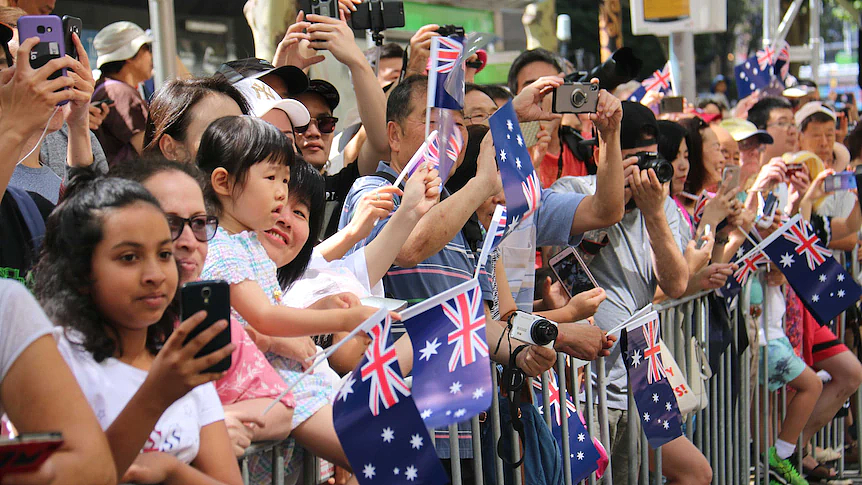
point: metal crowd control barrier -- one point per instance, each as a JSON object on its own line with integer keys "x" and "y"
{"x": 730, "y": 431}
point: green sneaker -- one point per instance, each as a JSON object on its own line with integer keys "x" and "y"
{"x": 785, "y": 469}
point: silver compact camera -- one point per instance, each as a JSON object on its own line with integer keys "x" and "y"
{"x": 533, "y": 329}
{"x": 576, "y": 98}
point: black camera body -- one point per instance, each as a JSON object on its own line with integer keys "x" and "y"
{"x": 652, "y": 160}
{"x": 326, "y": 8}
{"x": 451, "y": 31}
{"x": 576, "y": 98}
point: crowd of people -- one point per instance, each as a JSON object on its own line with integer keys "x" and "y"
{"x": 115, "y": 201}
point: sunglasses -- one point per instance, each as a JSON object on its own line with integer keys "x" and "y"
{"x": 326, "y": 124}
{"x": 203, "y": 227}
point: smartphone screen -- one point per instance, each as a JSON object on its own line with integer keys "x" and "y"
{"x": 730, "y": 177}
{"x": 672, "y": 104}
{"x": 839, "y": 181}
{"x": 572, "y": 272}
{"x": 214, "y": 298}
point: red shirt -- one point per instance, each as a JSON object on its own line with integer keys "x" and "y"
{"x": 555, "y": 166}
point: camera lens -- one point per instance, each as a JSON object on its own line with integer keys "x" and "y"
{"x": 40, "y": 29}
{"x": 543, "y": 332}
{"x": 664, "y": 171}
{"x": 579, "y": 98}
{"x": 205, "y": 292}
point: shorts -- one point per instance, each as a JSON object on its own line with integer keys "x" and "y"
{"x": 819, "y": 342}
{"x": 784, "y": 365}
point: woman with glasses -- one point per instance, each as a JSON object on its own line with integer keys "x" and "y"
{"x": 251, "y": 383}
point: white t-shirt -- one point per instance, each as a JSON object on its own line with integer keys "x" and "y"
{"x": 323, "y": 278}
{"x": 110, "y": 385}
{"x": 22, "y": 321}
{"x": 774, "y": 308}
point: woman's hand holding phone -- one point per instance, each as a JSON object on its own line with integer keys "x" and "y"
{"x": 176, "y": 371}
{"x": 586, "y": 304}
{"x": 83, "y": 86}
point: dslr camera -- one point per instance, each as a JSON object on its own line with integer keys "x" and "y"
{"x": 533, "y": 329}
{"x": 578, "y": 97}
{"x": 652, "y": 160}
{"x": 451, "y": 31}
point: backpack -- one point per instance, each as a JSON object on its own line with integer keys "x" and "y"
{"x": 32, "y": 216}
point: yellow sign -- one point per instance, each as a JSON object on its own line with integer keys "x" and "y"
{"x": 665, "y": 10}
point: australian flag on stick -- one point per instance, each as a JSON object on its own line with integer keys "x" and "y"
{"x": 657, "y": 408}
{"x": 451, "y": 365}
{"x": 660, "y": 81}
{"x": 584, "y": 453}
{"x": 445, "y": 52}
{"x": 377, "y": 423}
{"x": 520, "y": 182}
{"x": 824, "y": 287}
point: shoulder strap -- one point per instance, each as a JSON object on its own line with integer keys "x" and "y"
{"x": 386, "y": 175}
{"x": 32, "y": 217}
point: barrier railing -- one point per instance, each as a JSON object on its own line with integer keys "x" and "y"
{"x": 730, "y": 431}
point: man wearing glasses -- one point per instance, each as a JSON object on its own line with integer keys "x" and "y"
{"x": 775, "y": 115}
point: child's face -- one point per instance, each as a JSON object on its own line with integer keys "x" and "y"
{"x": 257, "y": 204}
{"x": 290, "y": 233}
{"x": 134, "y": 273}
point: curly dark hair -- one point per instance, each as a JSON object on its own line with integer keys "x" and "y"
{"x": 61, "y": 276}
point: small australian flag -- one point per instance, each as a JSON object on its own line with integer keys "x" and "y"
{"x": 657, "y": 408}
{"x": 377, "y": 422}
{"x": 748, "y": 263}
{"x": 520, "y": 182}
{"x": 443, "y": 62}
{"x": 451, "y": 365}
{"x": 659, "y": 81}
{"x": 583, "y": 455}
{"x": 824, "y": 287}
{"x": 750, "y": 77}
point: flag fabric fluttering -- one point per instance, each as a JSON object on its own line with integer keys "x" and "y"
{"x": 445, "y": 52}
{"x": 584, "y": 455}
{"x": 451, "y": 364}
{"x": 449, "y": 136}
{"x": 777, "y": 56}
{"x": 656, "y": 403}
{"x": 377, "y": 422}
{"x": 750, "y": 77}
{"x": 748, "y": 260}
{"x": 659, "y": 81}
{"x": 824, "y": 287}
{"x": 520, "y": 182}
{"x": 494, "y": 236}
{"x": 699, "y": 207}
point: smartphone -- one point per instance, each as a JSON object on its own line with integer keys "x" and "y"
{"x": 858, "y": 175}
{"x": 378, "y": 15}
{"x": 764, "y": 219}
{"x": 108, "y": 101}
{"x": 572, "y": 272}
{"x": 71, "y": 25}
{"x": 730, "y": 177}
{"x": 27, "y": 452}
{"x": 327, "y": 8}
{"x": 700, "y": 241}
{"x": 530, "y": 129}
{"x": 391, "y": 304}
{"x": 839, "y": 181}
{"x": 213, "y": 297}
{"x": 793, "y": 168}
{"x": 671, "y": 104}
{"x": 49, "y": 29}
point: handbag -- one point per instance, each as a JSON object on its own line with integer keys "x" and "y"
{"x": 685, "y": 398}
{"x": 699, "y": 372}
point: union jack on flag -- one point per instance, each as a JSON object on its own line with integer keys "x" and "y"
{"x": 501, "y": 227}
{"x": 749, "y": 266}
{"x": 776, "y": 57}
{"x": 659, "y": 81}
{"x": 700, "y": 206}
{"x": 443, "y": 62}
{"x": 807, "y": 244}
{"x": 386, "y": 382}
{"x": 652, "y": 353}
{"x": 464, "y": 312}
{"x": 453, "y": 148}
{"x": 448, "y": 51}
{"x": 554, "y": 397}
{"x": 532, "y": 193}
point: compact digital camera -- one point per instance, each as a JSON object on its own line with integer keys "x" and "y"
{"x": 533, "y": 329}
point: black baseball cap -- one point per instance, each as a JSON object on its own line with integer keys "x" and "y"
{"x": 254, "y": 68}
{"x": 639, "y": 127}
{"x": 326, "y": 90}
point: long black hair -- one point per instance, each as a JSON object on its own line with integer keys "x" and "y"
{"x": 62, "y": 275}
{"x": 696, "y": 168}
{"x": 307, "y": 186}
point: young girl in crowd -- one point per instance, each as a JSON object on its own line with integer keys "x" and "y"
{"x": 250, "y": 384}
{"x": 247, "y": 161}
{"x": 108, "y": 278}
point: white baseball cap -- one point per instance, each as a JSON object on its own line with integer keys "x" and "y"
{"x": 119, "y": 41}
{"x": 809, "y": 109}
{"x": 263, "y": 99}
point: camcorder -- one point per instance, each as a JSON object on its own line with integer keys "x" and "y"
{"x": 652, "y": 160}
{"x": 533, "y": 329}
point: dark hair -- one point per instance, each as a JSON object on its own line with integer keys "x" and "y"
{"x": 390, "y": 50}
{"x": 817, "y": 117}
{"x": 759, "y": 113}
{"x": 694, "y": 140}
{"x": 475, "y": 87}
{"x": 467, "y": 169}
{"x": 853, "y": 142}
{"x": 171, "y": 107}
{"x": 398, "y": 107}
{"x": 62, "y": 275}
{"x": 142, "y": 170}
{"x": 236, "y": 143}
{"x": 111, "y": 68}
{"x": 527, "y": 57}
{"x": 308, "y": 187}
{"x": 670, "y": 136}
{"x": 495, "y": 91}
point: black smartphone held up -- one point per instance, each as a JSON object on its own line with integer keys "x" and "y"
{"x": 49, "y": 30}
{"x": 107, "y": 101}
{"x": 214, "y": 298}
{"x": 327, "y": 8}
{"x": 572, "y": 272}
{"x": 671, "y": 104}
{"x": 378, "y": 15}
{"x": 72, "y": 25}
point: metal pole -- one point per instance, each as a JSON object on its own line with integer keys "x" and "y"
{"x": 603, "y": 416}
{"x": 787, "y": 21}
{"x": 564, "y": 421}
{"x": 477, "y": 451}
{"x": 455, "y": 453}
{"x": 162, "y": 23}
{"x": 496, "y": 427}
{"x": 681, "y": 54}
{"x": 589, "y": 411}
{"x": 814, "y": 40}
